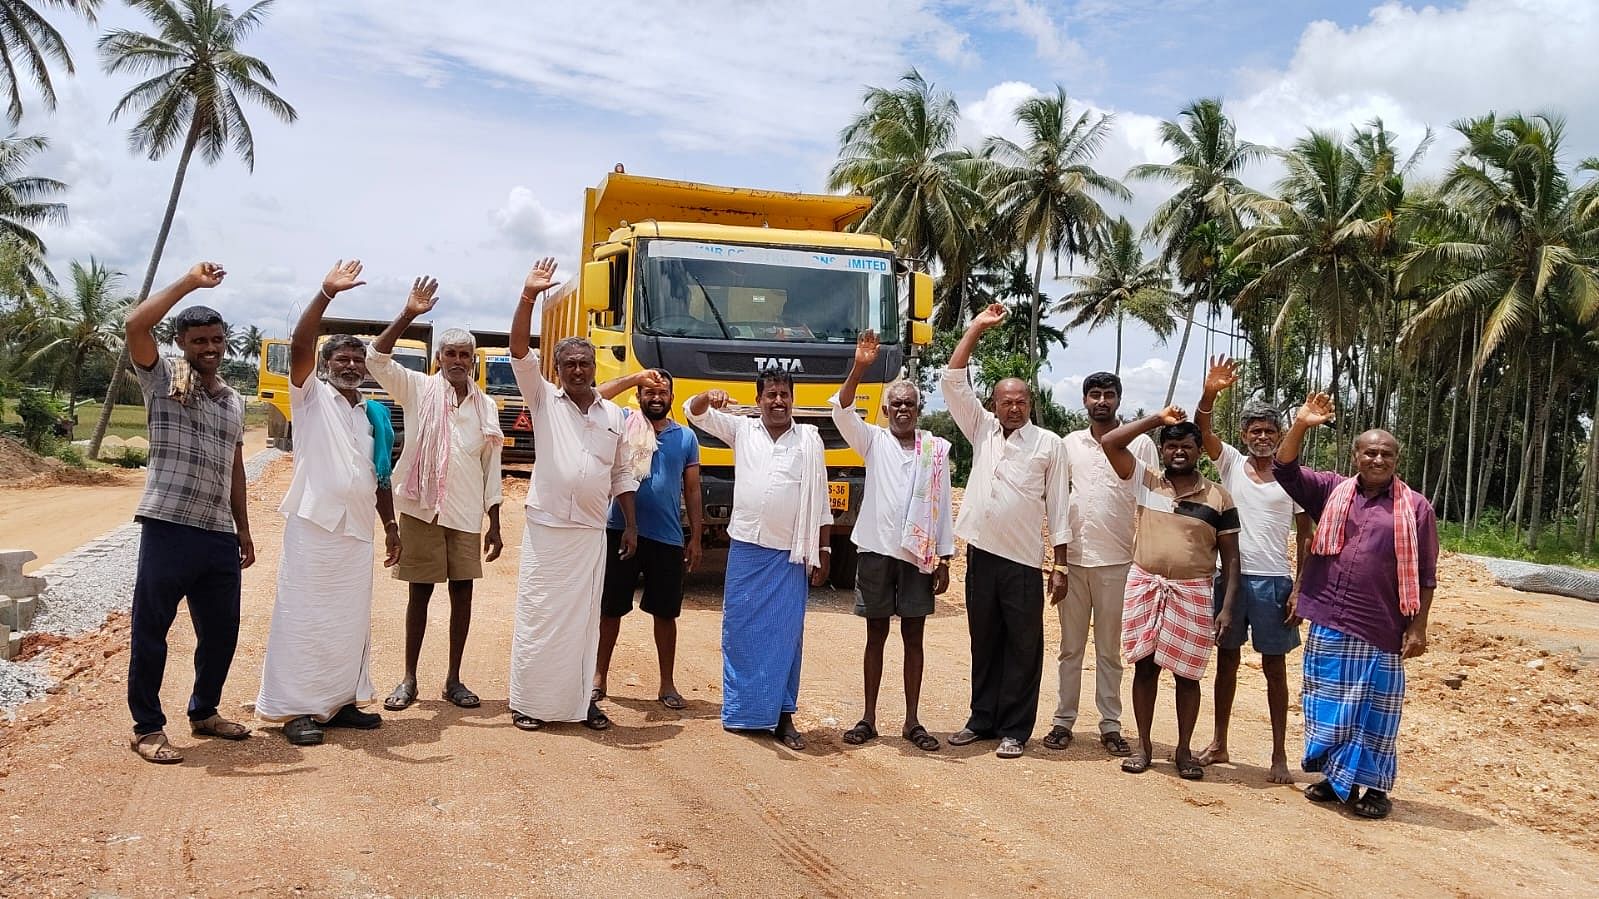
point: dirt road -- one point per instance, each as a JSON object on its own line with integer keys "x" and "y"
{"x": 442, "y": 801}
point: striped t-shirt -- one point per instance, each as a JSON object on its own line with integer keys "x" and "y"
{"x": 1176, "y": 535}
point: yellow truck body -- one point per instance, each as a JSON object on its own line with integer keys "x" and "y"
{"x": 714, "y": 284}
{"x": 494, "y": 378}
{"x": 413, "y": 350}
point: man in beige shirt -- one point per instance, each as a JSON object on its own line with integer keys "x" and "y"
{"x": 1018, "y": 480}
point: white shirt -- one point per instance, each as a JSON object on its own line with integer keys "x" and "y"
{"x": 1017, "y": 482}
{"x": 334, "y": 484}
{"x": 766, "y": 478}
{"x": 583, "y": 461}
{"x": 1102, "y": 509}
{"x": 472, "y": 483}
{"x": 890, "y": 473}
{"x": 1266, "y": 513}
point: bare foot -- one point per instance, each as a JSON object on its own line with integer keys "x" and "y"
{"x": 1279, "y": 772}
{"x": 1216, "y": 754}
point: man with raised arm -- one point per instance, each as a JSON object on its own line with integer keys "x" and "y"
{"x": 584, "y": 463}
{"x": 1017, "y": 485}
{"x": 317, "y": 671}
{"x": 780, "y": 533}
{"x": 1184, "y": 523}
{"x": 447, "y": 480}
{"x": 195, "y": 537}
{"x": 1097, "y": 559}
{"x": 670, "y": 485}
{"x": 905, "y": 534}
{"x": 1366, "y": 588}
{"x": 1265, "y": 582}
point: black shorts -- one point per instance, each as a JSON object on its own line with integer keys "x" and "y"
{"x": 886, "y": 586}
{"x": 661, "y": 565}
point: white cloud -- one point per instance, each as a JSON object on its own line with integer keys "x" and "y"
{"x": 529, "y": 225}
{"x": 1143, "y": 385}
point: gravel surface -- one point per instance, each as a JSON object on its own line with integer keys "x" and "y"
{"x": 85, "y": 586}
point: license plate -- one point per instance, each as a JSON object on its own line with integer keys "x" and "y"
{"x": 838, "y": 496}
{"x": 510, "y": 441}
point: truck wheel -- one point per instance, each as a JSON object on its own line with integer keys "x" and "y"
{"x": 842, "y": 574}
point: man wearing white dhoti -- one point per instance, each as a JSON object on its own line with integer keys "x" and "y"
{"x": 583, "y": 463}
{"x": 317, "y": 671}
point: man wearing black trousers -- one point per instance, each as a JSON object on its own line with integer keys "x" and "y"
{"x": 196, "y": 533}
{"x": 1018, "y": 480}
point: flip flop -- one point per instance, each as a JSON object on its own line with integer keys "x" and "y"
{"x": 459, "y": 695}
{"x": 526, "y": 722}
{"x": 1135, "y": 764}
{"x": 597, "y": 719}
{"x": 1190, "y": 770}
{"x": 401, "y": 698}
{"x": 860, "y": 733}
{"x": 792, "y": 739}
{"x": 673, "y": 701}
{"x": 155, "y": 749}
{"x": 921, "y": 739}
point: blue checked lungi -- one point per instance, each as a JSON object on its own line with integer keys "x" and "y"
{"x": 763, "y": 628}
{"x": 1352, "y": 699}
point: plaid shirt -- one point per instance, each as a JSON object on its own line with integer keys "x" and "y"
{"x": 190, "y": 476}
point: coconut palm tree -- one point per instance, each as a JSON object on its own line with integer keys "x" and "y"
{"x": 246, "y": 344}
{"x": 190, "y": 99}
{"x": 83, "y": 326}
{"x": 1211, "y": 206}
{"x": 28, "y": 40}
{"x": 1045, "y": 193}
{"x": 1123, "y": 284}
{"x": 25, "y": 203}
{"x": 901, "y": 152}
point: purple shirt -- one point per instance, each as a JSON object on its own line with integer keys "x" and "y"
{"x": 1357, "y": 591}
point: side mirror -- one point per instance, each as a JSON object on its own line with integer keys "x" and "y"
{"x": 921, "y": 333}
{"x": 596, "y": 286}
{"x": 921, "y": 296}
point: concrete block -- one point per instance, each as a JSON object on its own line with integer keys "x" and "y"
{"x": 13, "y": 645}
{"x": 18, "y": 613}
{"x": 12, "y": 560}
{"x": 138, "y": 443}
{"x": 21, "y": 585}
{"x": 8, "y": 650}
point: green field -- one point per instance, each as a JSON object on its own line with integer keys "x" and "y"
{"x": 1493, "y": 539}
{"x": 126, "y": 421}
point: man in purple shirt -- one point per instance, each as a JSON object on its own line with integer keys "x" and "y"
{"x": 1352, "y": 591}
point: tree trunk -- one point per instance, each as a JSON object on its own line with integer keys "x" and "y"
{"x": 120, "y": 369}
{"x": 1528, "y": 432}
{"x": 1037, "y": 312}
{"x": 1447, "y": 464}
{"x": 1468, "y": 495}
{"x": 1426, "y": 440}
{"x": 1559, "y": 511}
{"x": 1593, "y": 474}
{"x": 1490, "y": 452}
{"x": 1541, "y": 459}
{"x": 1182, "y": 348}
{"x": 1119, "y": 317}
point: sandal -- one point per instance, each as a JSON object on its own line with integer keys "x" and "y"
{"x": 1115, "y": 744}
{"x": 154, "y": 748}
{"x": 921, "y": 739}
{"x": 792, "y": 739}
{"x": 597, "y": 719}
{"x": 1136, "y": 764}
{"x": 1190, "y": 770}
{"x": 596, "y": 694}
{"x": 401, "y": 698}
{"x": 860, "y": 733}
{"x": 220, "y": 727}
{"x": 1321, "y": 791}
{"x": 1375, "y": 805}
{"x": 673, "y": 701}
{"x": 459, "y": 695}
{"x": 1060, "y": 737}
{"x": 525, "y": 722}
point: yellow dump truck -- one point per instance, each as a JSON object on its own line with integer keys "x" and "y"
{"x": 413, "y": 350}
{"x": 495, "y": 379}
{"x": 714, "y": 284}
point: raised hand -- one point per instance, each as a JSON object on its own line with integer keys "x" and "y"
{"x": 207, "y": 274}
{"x": 1223, "y": 374}
{"x": 866, "y": 347}
{"x": 342, "y": 277}
{"x": 539, "y": 279}
{"x": 1172, "y": 415}
{"x": 1317, "y": 410}
{"x": 718, "y": 398}
{"x": 651, "y": 379}
{"x": 988, "y": 318}
{"x": 423, "y": 296}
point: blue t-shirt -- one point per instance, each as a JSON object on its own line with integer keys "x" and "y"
{"x": 659, "y": 500}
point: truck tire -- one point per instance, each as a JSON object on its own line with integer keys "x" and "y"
{"x": 842, "y": 573}
{"x": 280, "y": 431}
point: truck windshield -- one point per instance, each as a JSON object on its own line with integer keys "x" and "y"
{"x": 741, "y": 292}
{"x": 498, "y": 379}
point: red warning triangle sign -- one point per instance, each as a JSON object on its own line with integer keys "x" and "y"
{"x": 524, "y": 422}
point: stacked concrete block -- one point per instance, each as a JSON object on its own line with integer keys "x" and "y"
{"x": 19, "y": 599}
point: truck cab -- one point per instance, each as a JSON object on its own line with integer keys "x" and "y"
{"x": 494, "y": 377}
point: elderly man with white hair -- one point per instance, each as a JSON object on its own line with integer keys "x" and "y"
{"x": 446, "y": 480}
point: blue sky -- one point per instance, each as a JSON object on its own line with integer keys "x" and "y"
{"x": 455, "y": 139}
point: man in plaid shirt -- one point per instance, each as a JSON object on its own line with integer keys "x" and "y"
{"x": 1184, "y": 522}
{"x": 196, "y": 533}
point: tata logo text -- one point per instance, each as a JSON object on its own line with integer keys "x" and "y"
{"x": 778, "y": 362}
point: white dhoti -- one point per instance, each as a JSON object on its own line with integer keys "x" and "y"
{"x": 557, "y": 621}
{"x": 319, "y": 651}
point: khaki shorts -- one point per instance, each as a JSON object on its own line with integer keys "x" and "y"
{"x": 432, "y": 553}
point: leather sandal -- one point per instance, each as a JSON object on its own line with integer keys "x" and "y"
{"x": 155, "y": 749}
{"x": 220, "y": 727}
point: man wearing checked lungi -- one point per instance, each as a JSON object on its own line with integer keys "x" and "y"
{"x": 1366, "y": 589}
{"x": 1184, "y": 522}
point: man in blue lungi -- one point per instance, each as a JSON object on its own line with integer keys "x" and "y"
{"x": 780, "y": 529}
